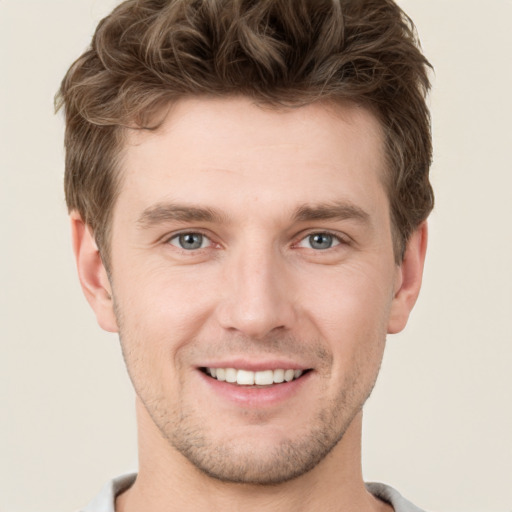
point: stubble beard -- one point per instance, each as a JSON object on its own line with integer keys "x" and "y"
{"x": 239, "y": 462}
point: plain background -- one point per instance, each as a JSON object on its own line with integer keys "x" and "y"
{"x": 439, "y": 424}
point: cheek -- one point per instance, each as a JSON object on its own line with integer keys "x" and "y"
{"x": 166, "y": 298}
{"x": 351, "y": 311}
{"x": 161, "y": 311}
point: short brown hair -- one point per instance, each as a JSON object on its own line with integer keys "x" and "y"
{"x": 148, "y": 53}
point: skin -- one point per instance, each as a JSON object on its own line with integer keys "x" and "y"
{"x": 257, "y": 292}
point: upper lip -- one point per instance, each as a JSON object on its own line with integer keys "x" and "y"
{"x": 255, "y": 364}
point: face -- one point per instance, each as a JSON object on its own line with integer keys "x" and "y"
{"x": 254, "y": 280}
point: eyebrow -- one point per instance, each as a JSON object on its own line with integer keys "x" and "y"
{"x": 331, "y": 211}
{"x": 168, "y": 212}
{"x": 161, "y": 213}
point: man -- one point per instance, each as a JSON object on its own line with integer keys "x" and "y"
{"x": 248, "y": 188}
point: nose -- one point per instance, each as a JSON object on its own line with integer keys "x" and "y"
{"x": 257, "y": 294}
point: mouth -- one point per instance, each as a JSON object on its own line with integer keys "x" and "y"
{"x": 247, "y": 378}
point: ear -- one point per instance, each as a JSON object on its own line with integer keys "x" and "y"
{"x": 408, "y": 283}
{"x": 92, "y": 273}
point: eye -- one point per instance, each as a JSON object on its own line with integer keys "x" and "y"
{"x": 319, "y": 241}
{"x": 190, "y": 241}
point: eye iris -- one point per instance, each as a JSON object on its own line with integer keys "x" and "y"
{"x": 190, "y": 241}
{"x": 321, "y": 241}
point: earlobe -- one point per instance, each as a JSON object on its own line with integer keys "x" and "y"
{"x": 409, "y": 278}
{"x": 92, "y": 273}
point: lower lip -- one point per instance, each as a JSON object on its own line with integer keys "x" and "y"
{"x": 251, "y": 396}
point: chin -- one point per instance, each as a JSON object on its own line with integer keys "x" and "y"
{"x": 286, "y": 462}
{"x": 257, "y": 460}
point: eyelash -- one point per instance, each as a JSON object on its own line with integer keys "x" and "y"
{"x": 177, "y": 236}
{"x": 337, "y": 238}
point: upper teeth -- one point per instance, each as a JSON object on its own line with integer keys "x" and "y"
{"x": 248, "y": 378}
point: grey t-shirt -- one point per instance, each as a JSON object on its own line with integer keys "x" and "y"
{"x": 105, "y": 500}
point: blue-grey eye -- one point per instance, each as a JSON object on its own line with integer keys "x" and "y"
{"x": 319, "y": 241}
{"x": 189, "y": 241}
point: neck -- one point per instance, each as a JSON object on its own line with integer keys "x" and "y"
{"x": 167, "y": 481}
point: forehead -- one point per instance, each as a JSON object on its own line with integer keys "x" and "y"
{"x": 238, "y": 121}
{"x": 211, "y": 150}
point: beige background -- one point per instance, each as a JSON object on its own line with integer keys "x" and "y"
{"x": 439, "y": 424}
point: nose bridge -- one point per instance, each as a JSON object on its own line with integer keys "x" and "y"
{"x": 257, "y": 298}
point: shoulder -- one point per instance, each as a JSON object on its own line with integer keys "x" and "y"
{"x": 104, "y": 501}
{"x": 392, "y": 496}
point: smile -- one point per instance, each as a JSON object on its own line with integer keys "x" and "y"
{"x": 250, "y": 378}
